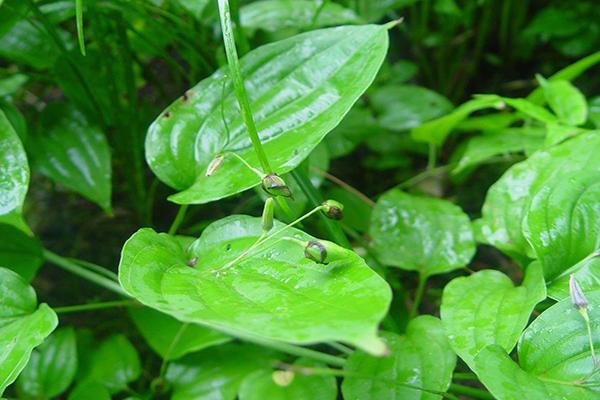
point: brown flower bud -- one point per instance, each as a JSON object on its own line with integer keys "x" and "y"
{"x": 333, "y": 209}
{"x": 274, "y": 185}
{"x": 214, "y": 165}
{"x": 315, "y": 251}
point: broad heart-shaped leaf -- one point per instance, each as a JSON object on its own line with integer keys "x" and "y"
{"x": 14, "y": 170}
{"x": 556, "y": 344}
{"x": 22, "y": 253}
{"x": 507, "y": 381}
{"x": 73, "y": 153}
{"x": 299, "y": 89}
{"x": 216, "y": 373}
{"x": 420, "y": 364}
{"x": 276, "y": 294}
{"x": 114, "y": 364}
{"x": 507, "y": 200}
{"x": 51, "y": 368}
{"x": 23, "y": 325}
{"x": 171, "y": 338}
{"x": 486, "y": 308}
{"x": 275, "y": 15}
{"x": 402, "y": 107}
{"x": 567, "y": 102}
{"x": 562, "y": 227}
{"x": 417, "y": 233}
{"x": 260, "y": 385}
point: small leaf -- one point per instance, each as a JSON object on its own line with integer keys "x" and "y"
{"x": 89, "y": 390}
{"x": 14, "y": 170}
{"x": 51, "y": 368}
{"x": 567, "y": 102}
{"x": 73, "y": 153}
{"x": 12, "y": 83}
{"x": 417, "y": 233}
{"x": 485, "y": 308}
{"x": 421, "y": 362}
{"x": 298, "y": 91}
{"x": 21, "y": 252}
{"x": 403, "y": 107}
{"x": 215, "y": 373}
{"x": 276, "y": 294}
{"x": 23, "y": 325}
{"x": 260, "y": 385}
{"x": 169, "y": 337}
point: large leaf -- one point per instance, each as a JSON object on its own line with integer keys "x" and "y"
{"x": 485, "y": 308}
{"x": 23, "y": 325}
{"x": 275, "y": 15}
{"x": 428, "y": 235}
{"x": 299, "y": 89}
{"x": 14, "y": 170}
{"x": 561, "y": 225}
{"x": 507, "y": 200}
{"x": 421, "y": 362}
{"x": 215, "y": 373}
{"x": 73, "y": 153}
{"x": 51, "y": 368}
{"x": 20, "y": 252}
{"x": 171, "y": 338}
{"x": 402, "y": 107}
{"x": 277, "y": 294}
{"x": 260, "y": 385}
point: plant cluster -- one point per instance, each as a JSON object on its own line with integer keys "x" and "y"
{"x": 458, "y": 258}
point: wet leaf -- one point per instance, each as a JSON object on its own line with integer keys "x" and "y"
{"x": 14, "y": 170}
{"x": 567, "y": 102}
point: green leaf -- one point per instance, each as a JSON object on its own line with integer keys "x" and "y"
{"x": 499, "y": 142}
{"x": 556, "y": 344}
{"x": 171, "y": 338}
{"x": 195, "y": 8}
{"x": 357, "y": 212}
{"x": 556, "y": 133}
{"x": 561, "y": 227}
{"x": 356, "y": 126}
{"x": 298, "y": 90}
{"x": 215, "y": 373}
{"x": 260, "y": 385}
{"x": 12, "y": 83}
{"x": 402, "y": 107}
{"x": 28, "y": 44}
{"x": 420, "y": 364}
{"x": 417, "y": 233}
{"x": 21, "y": 252}
{"x": 507, "y": 200}
{"x": 14, "y": 170}
{"x": 73, "y": 153}
{"x": 376, "y": 10}
{"x": 23, "y": 325}
{"x": 567, "y": 102}
{"x": 276, "y": 15}
{"x": 51, "y": 368}
{"x": 276, "y": 294}
{"x": 485, "y": 308}
{"x": 437, "y": 130}
{"x": 507, "y": 381}
{"x": 594, "y": 104}
{"x": 114, "y": 363}
{"x": 526, "y": 107}
{"x": 89, "y": 390}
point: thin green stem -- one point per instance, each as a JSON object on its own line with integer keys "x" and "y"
{"x": 340, "y": 347}
{"x": 466, "y": 376}
{"x": 238, "y": 84}
{"x": 431, "y": 157}
{"x": 418, "y": 296}
{"x": 240, "y": 35}
{"x": 79, "y": 22}
{"x": 469, "y": 391}
{"x": 176, "y": 338}
{"x": 178, "y": 219}
{"x": 96, "y": 268}
{"x": 95, "y": 306}
{"x": 302, "y": 352}
{"x": 80, "y": 271}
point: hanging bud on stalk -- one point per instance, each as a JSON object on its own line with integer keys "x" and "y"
{"x": 267, "y": 215}
{"x": 333, "y": 209}
{"x": 578, "y": 299}
{"x": 323, "y": 251}
{"x": 214, "y": 165}
{"x": 274, "y": 185}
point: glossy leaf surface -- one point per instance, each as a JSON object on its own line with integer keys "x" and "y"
{"x": 23, "y": 325}
{"x": 417, "y": 233}
{"x": 20, "y": 251}
{"x": 51, "y": 368}
{"x": 422, "y": 359}
{"x": 567, "y": 102}
{"x": 486, "y": 308}
{"x": 277, "y": 294}
{"x": 171, "y": 338}
{"x": 74, "y": 153}
{"x": 215, "y": 373}
{"x": 299, "y": 89}
{"x": 14, "y": 170}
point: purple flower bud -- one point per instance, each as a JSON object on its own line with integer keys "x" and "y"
{"x": 577, "y": 297}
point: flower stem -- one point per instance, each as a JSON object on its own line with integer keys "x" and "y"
{"x": 418, "y": 296}
{"x": 95, "y": 306}
{"x": 238, "y": 84}
{"x": 178, "y": 219}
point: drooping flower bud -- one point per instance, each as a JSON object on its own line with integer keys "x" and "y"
{"x": 192, "y": 262}
{"x": 267, "y": 215}
{"x": 323, "y": 251}
{"x": 333, "y": 209}
{"x": 274, "y": 185}
{"x": 214, "y": 165}
{"x": 578, "y": 299}
{"x": 282, "y": 378}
